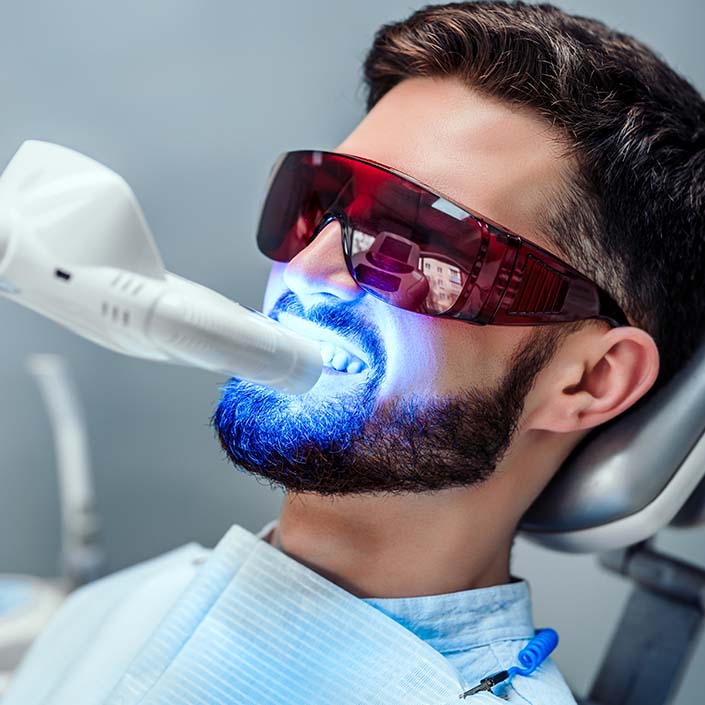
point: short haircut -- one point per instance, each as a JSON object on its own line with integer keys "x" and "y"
{"x": 633, "y": 215}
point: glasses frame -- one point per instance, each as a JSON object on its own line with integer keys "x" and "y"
{"x": 531, "y": 286}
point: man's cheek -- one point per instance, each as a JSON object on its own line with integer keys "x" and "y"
{"x": 410, "y": 371}
{"x": 415, "y": 359}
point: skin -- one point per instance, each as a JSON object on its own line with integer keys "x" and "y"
{"x": 507, "y": 164}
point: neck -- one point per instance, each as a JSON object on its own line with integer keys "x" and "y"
{"x": 398, "y": 545}
{"x": 421, "y": 544}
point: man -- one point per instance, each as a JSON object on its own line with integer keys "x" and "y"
{"x": 410, "y": 464}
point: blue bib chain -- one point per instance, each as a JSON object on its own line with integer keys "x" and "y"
{"x": 530, "y": 657}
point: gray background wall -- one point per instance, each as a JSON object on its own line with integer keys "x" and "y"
{"x": 191, "y": 101}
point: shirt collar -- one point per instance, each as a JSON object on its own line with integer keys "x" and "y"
{"x": 459, "y": 621}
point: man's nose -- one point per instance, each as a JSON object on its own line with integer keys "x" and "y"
{"x": 320, "y": 268}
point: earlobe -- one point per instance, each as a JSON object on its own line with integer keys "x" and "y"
{"x": 613, "y": 370}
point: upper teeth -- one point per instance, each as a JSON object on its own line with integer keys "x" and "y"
{"x": 333, "y": 355}
{"x": 340, "y": 359}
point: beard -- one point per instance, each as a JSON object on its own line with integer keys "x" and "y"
{"x": 337, "y": 439}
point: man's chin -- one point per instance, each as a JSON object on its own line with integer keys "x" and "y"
{"x": 259, "y": 427}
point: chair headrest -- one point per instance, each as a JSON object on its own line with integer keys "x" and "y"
{"x": 632, "y": 476}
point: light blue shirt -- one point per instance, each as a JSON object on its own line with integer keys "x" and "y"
{"x": 98, "y": 632}
{"x": 480, "y": 632}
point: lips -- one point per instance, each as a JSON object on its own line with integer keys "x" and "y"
{"x": 337, "y": 353}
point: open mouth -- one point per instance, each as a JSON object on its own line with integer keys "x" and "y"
{"x": 341, "y": 360}
{"x": 337, "y": 353}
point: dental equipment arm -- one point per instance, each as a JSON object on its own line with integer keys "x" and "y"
{"x": 75, "y": 247}
{"x": 82, "y": 556}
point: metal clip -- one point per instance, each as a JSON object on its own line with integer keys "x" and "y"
{"x": 486, "y": 684}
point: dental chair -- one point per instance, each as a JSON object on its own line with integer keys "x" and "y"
{"x": 621, "y": 485}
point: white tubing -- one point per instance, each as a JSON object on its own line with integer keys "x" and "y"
{"x": 231, "y": 339}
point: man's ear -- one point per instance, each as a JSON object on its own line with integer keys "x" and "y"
{"x": 594, "y": 376}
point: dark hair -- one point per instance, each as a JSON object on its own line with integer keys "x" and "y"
{"x": 633, "y": 216}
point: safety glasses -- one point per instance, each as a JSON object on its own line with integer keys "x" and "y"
{"x": 418, "y": 250}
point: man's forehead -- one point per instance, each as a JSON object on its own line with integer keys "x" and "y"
{"x": 498, "y": 160}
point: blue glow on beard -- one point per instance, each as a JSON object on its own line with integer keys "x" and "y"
{"x": 263, "y": 428}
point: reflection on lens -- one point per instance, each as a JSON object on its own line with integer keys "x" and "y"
{"x": 361, "y": 242}
{"x": 445, "y": 283}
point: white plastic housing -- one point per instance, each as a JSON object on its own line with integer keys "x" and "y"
{"x": 75, "y": 247}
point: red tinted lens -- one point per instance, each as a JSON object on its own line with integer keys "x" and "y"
{"x": 302, "y": 188}
{"x": 403, "y": 243}
{"x": 408, "y": 246}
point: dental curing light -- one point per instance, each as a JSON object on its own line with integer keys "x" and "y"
{"x": 75, "y": 247}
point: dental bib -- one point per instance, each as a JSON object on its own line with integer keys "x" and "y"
{"x": 256, "y": 627}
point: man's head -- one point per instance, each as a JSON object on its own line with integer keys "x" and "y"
{"x": 571, "y": 135}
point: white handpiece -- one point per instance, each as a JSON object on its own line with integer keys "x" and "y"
{"x": 75, "y": 247}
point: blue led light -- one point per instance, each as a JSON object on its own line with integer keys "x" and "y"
{"x": 257, "y": 424}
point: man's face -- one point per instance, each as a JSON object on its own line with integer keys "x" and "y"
{"x": 442, "y": 396}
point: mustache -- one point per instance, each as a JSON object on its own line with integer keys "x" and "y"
{"x": 343, "y": 318}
